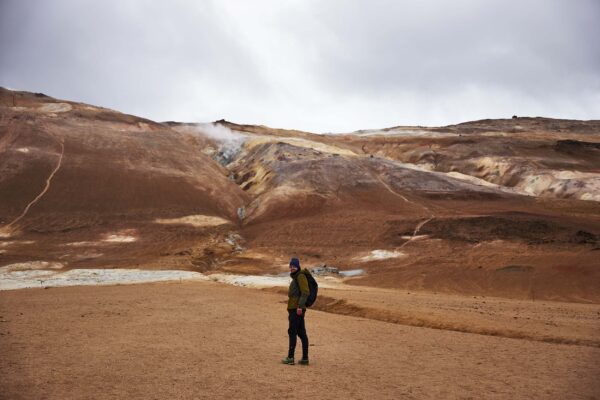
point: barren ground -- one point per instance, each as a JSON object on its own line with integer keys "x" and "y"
{"x": 478, "y": 242}
{"x": 209, "y": 340}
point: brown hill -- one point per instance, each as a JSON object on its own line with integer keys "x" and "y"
{"x": 328, "y": 200}
{"x": 497, "y": 207}
{"x": 535, "y": 156}
{"x": 73, "y": 173}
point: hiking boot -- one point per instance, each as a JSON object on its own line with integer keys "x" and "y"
{"x": 288, "y": 361}
{"x": 304, "y": 361}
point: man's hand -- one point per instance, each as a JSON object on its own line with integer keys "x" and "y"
{"x": 299, "y": 311}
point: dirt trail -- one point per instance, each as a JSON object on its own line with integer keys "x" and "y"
{"x": 420, "y": 224}
{"x": 206, "y": 340}
{"x": 7, "y": 228}
{"x": 394, "y": 192}
{"x": 416, "y": 231}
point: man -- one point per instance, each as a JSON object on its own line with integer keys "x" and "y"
{"x": 297, "y": 295}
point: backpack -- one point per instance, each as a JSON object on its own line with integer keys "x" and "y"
{"x": 313, "y": 286}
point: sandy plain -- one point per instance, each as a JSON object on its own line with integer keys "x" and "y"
{"x": 211, "y": 340}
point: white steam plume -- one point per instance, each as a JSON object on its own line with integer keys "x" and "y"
{"x": 229, "y": 142}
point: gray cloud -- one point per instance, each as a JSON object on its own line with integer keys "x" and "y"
{"x": 315, "y": 65}
{"x": 513, "y": 45}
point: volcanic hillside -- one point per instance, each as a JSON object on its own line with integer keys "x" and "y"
{"x": 496, "y": 207}
{"x": 83, "y": 185}
{"x": 348, "y": 200}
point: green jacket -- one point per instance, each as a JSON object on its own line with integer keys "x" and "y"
{"x": 298, "y": 291}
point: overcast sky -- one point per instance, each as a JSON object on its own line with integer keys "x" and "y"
{"x": 317, "y": 65}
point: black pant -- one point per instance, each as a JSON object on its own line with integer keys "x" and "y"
{"x": 297, "y": 328}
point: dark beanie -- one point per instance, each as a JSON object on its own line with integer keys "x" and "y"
{"x": 295, "y": 262}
